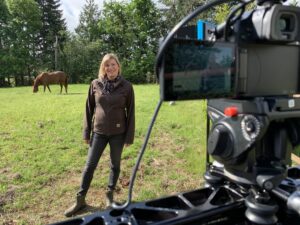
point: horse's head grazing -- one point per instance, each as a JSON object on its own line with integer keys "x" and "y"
{"x": 37, "y": 82}
{"x": 35, "y": 88}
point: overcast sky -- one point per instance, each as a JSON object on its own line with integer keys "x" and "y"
{"x": 71, "y": 11}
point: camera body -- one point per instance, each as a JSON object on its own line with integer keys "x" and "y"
{"x": 237, "y": 59}
{"x": 268, "y": 51}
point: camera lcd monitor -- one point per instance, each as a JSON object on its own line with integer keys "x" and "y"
{"x": 196, "y": 70}
{"x": 268, "y": 70}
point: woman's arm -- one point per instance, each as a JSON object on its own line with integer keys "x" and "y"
{"x": 130, "y": 109}
{"x": 88, "y": 115}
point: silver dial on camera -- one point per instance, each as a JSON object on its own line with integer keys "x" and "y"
{"x": 250, "y": 126}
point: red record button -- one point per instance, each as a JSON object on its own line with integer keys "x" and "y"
{"x": 231, "y": 111}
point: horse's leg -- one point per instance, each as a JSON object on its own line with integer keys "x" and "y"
{"x": 44, "y": 88}
{"x": 66, "y": 87}
{"x": 61, "y": 86}
{"x": 48, "y": 88}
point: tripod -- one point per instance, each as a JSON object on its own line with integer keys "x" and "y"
{"x": 253, "y": 140}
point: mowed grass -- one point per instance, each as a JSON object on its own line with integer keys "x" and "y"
{"x": 42, "y": 153}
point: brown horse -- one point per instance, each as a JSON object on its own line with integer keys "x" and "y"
{"x": 46, "y": 78}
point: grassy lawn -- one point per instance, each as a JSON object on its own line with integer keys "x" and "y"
{"x": 42, "y": 153}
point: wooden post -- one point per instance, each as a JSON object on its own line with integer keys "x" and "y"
{"x": 56, "y": 51}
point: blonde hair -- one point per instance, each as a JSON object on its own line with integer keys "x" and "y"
{"x": 107, "y": 57}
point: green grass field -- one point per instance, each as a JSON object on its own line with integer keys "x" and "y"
{"x": 42, "y": 153}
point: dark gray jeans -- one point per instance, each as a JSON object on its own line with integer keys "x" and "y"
{"x": 97, "y": 146}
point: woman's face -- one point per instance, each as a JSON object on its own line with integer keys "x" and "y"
{"x": 111, "y": 69}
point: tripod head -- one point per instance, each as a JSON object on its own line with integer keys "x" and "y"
{"x": 254, "y": 139}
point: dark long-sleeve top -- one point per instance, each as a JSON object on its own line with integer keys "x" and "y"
{"x": 110, "y": 113}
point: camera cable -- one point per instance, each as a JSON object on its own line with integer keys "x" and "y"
{"x": 139, "y": 159}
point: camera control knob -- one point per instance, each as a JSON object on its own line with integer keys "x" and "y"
{"x": 220, "y": 142}
{"x": 250, "y": 127}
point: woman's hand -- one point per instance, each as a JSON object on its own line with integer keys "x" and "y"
{"x": 87, "y": 141}
{"x": 126, "y": 145}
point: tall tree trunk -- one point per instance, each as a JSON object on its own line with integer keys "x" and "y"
{"x": 2, "y": 82}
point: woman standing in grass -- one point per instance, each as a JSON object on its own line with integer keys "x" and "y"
{"x": 109, "y": 119}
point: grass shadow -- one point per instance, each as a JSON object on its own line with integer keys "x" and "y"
{"x": 75, "y": 93}
{"x": 89, "y": 209}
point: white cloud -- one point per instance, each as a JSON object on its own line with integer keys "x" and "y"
{"x": 71, "y": 11}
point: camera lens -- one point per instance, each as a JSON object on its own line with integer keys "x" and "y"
{"x": 286, "y": 23}
{"x": 282, "y": 24}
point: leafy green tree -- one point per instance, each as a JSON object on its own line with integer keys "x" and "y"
{"x": 132, "y": 30}
{"x": 176, "y": 10}
{"x": 222, "y": 11}
{"x": 23, "y": 29}
{"x": 84, "y": 49}
{"x": 147, "y": 29}
{"x": 88, "y": 20}
{"x": 113, "y": 26}
{"x": 81, "y": 59}
{"x": 4, "y": 51}
{"x": 53, "y": 29}
{"x": 3, "y": 19}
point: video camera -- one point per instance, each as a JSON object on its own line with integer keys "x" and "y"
{"x": 248, "y": 69}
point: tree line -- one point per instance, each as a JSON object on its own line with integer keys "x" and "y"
{"x": 26, "y": 43}
{"x": 34, "y": 37}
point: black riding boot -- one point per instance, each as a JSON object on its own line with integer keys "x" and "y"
{"x": 109, "y": 197}
{"x": 79, "y": 205}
